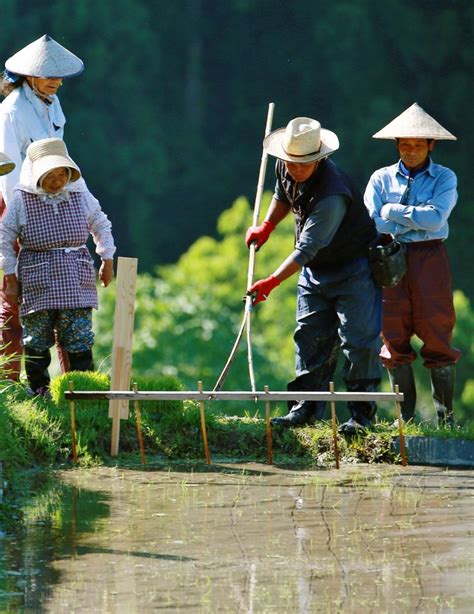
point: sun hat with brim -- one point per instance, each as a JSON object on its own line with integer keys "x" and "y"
{"x": 6, "y": 165}
{"x": 303, "y": 140}
{"x": 44, "y": 58}
{"x": 414, "y": 123}
{"x": 47, "y": 155}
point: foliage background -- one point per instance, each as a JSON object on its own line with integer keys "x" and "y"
{"x": 167, "y": 121}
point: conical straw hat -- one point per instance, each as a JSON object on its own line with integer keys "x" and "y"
{"x": 44, "y": 58}
{"x": 6, "y": 165}
{"x": 414, "y": 123}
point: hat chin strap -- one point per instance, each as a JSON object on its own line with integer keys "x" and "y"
{"x": 44, "y": 97}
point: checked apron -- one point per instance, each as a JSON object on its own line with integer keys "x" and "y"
{"x": 55, "y": 269}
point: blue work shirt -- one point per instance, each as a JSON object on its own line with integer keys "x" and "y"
{"x": 412, "y": 208}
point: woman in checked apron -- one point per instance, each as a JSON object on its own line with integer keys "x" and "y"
{"x": 53, "y": 277}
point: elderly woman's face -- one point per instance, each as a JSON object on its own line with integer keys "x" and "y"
{"x": 46, "y": 87}
{"x": 301, "y": 172}
{"x": 55, "y": 180}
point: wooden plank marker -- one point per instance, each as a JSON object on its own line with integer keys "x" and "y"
{"x": 334, "y": 426}
{"x": 269, "y": 428}
{"x": 403, "y": 450}
{"x": 203, "y": 427}
{"x": 73, "y": 423}
{"x": 122, "y": 343}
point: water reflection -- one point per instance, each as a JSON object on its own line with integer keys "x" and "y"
{"x": 245, "y": 539}
{"x": 56, "y": 515}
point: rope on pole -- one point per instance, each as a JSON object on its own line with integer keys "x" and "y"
{"x": 225, "y": 370}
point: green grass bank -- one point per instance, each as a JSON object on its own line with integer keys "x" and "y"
{"x": 37, "y": 432}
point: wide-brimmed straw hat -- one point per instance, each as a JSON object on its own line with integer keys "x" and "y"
{"x": 303, "y": 140}
{"x": 6, "y": 165}
{"x": 414, "y": 123}
{"x": 44, "y": 58}
{"x": 48, "y": 154}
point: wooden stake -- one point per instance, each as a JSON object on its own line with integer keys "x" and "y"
{"x": 269, "y": 429}
{"x": 203, "y": 427}
{"x": 334, "y": 426}
{"x": 73, "y": 423}
{"x": 122, "y": 344}
{"x": 139, "y": 425}
{"x": 400, "y": 429}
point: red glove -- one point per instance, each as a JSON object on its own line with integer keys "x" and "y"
{"x": 262, "y": 288}
{"x": 259, "y": 234}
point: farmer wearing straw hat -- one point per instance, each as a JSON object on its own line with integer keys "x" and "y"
{"x": 412, "y": 201}
{"x": 30, "y": 111}
{"x": 53, "y": 277}
{"x": 339, "y": 305}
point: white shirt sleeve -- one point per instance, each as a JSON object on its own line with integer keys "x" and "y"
{"x": 10, "y": 143}
{"x": 10, "y": 229}
{"x": 100, "y": 227}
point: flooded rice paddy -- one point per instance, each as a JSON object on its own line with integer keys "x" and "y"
{"x": 243, "y": 538}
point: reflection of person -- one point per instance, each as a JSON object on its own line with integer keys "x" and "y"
{"x": 30, "y": 111}
{"x": 338, "y": 303}
{"x": 54, "y": 280}
{"x": 412, "y": 200}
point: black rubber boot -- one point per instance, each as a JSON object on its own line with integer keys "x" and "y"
{"x": 404, "y": 377}
{"x": 81, "y": 361}
{"x": 442, "y": 387}
{"x": 362, "y": 412}
{"x": 300, "y": 414}
{"x": 36, "y": 366}
{"x": 359, "y": 421}
{"x": 314, "y": 380}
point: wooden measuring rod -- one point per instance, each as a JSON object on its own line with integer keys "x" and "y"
{"x": 124, "y": 396}
{"x": 224, "y": 395}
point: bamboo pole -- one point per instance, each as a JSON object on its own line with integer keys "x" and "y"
{"x": 139, "y": 425}
{"x": 334, "y": 426}
{"x": 73, "y": 423}
{"x": 252, "y": 254}
{"x": 250, "y": 270}
{"x": 203, "y": 426}
{"x": 403, "y": 451}
{"x": 269, "y": 429}
{"x": 122, "y": 343}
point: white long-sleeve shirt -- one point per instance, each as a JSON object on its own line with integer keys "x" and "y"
{"x": 25, "y": 118}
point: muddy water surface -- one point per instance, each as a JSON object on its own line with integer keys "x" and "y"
{"x": 244, "y": 538}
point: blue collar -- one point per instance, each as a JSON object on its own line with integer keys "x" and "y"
{"x": 406, "y": 172}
